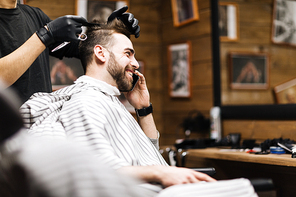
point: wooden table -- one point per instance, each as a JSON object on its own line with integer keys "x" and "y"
{"x": 231, "y": 164}
{"x": 237, "y": 155}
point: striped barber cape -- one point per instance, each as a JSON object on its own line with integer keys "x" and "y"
{"x": 90, "y": 113}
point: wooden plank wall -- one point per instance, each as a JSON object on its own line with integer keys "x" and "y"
{"x": 260, "y": 129}
{"x": 255, "y": 23}
{"x": 199, "y": 33}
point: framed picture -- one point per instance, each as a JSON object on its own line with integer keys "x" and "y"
{"x": 64, "y": 72}
{"x": 98, "y": 9}
{"x": 285, "y": 93}
{"x": 228, "y": 22}
{"x": 184, "y": 12}
{"x": 249, "y": 70}
{"x": 122, "y": 98}
{"x": 284, "y": 22}
{"x": 179, "y": 58}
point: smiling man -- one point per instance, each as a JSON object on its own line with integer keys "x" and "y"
{"x": 90, "y": 113}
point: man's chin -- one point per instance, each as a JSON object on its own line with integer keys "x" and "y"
{"x": 126, "y": 89}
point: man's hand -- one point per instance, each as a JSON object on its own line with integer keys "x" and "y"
{"x": 174, "y": 176}
{"x": 128, "y": 19}
{"x": 139, "y": 97}
{"x": 166, "y": 175}
{"x": 62, "y": 29}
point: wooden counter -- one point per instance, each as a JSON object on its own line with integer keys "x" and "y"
{"x": 236, "y": 155}
{"x": 231, "y": 164}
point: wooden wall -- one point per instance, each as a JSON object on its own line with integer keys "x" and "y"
{"x": 255, "y": 24}
{"x": 54, "y": 8}
{"x": 199, "y": 33}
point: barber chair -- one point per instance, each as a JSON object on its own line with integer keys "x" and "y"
{"x": 10, "y": 119}
{"x": 12, "y": 184}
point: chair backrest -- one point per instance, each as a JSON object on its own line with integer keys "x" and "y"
{"x": 10, "y": 118}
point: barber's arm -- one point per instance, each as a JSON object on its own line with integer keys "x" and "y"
{"x": 139, "y": 98}
{"x": 128, "y": 19}
{"x": 14, "y": 65}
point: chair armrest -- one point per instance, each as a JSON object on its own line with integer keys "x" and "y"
{"x": 209, "y": 171}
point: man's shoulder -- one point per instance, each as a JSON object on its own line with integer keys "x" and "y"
{"x": 90, "y": 96}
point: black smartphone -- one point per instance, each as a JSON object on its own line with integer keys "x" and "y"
{"x": 135, "y": 80}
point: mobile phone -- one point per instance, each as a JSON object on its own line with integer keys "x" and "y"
{"x": 135, "y": 80}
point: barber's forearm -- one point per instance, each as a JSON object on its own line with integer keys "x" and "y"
{"x": 148, "y": 126}
{"x": 16, "y": 63}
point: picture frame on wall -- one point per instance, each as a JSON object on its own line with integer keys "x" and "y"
{"x": 179, "y": 59}
{"x": 184, "y": 12}
{"x": 122, "y": 98}
{"x": 249, "y": 70}
{"x": 284, "y": 23}
{"x": 64, "y": 72}
{"x": 285, "y": 93}
{"x": 228, "y": 22}
{"x": 98, "y": 9}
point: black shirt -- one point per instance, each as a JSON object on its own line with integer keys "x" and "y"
{"x": 16, "y": 26}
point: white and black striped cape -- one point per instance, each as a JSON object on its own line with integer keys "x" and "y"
{"x": 90, "y": 113}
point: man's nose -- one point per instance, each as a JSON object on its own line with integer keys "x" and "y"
{"x": 134, "y": 63}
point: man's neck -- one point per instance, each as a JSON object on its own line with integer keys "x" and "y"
{"x": 100, "y": 74}
{"x": 8, "y": 4}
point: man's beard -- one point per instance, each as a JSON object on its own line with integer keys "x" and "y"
{"x": 118, "y": 74}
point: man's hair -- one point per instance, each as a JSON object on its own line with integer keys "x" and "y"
{"x": 100, "y": 34}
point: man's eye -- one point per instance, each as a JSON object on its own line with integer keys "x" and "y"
{"x": 128, "y": 53}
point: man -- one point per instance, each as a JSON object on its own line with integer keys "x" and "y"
{"x": 107, "y": 127}
{"x": 90, "y": 113}
{"x": 30, "y": 73}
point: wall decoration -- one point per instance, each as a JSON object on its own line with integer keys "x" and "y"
{"x": 122, "y": 98}
{"x": 98, "y": 9}
{"x": 285, "y": 93}
{"x": 180, "y": 69}
{"x": 284, "y": 22}
{"x": 249, "y": 70}
{"x": 64, "y": 72}
{"x": 184, "y": 12}
{"x": 228, "y": 22}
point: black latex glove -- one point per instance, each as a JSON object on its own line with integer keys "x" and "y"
{"x": 128, "y": 19}
{"x": 64, "y": 28}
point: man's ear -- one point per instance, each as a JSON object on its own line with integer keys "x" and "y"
{"x": 100, "y": 53}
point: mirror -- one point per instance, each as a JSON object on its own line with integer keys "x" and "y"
{"x": 254, "y": 111}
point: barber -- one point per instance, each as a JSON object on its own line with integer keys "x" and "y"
{"x": 24, "y": 62}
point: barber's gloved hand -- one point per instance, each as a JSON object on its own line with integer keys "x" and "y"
{"x": 128, "y": 19}
{"x": 64, "y": 28}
